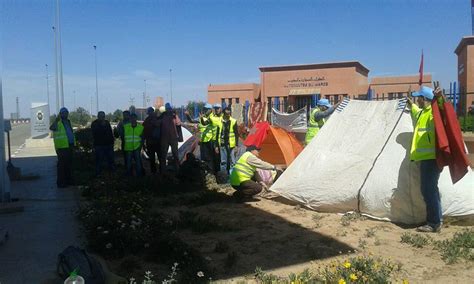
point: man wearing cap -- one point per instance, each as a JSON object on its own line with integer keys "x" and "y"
{"x": 216, "y": 121}
{"x": 206, "y": 144}
{"x": 151, "y": 134}
{"x": 244, "y": 177}
{"x": 64, "y": 142}
{"x": 318, "y": 117}
{"x": 133, "y": 134}
{"x": 228, "y": 137}
{"x": 103, "y": 143}
{"x": 423, "y": 151}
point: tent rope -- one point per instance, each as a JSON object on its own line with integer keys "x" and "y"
{"x": 402, "y": 104}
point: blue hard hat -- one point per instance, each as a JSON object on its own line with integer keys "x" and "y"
{"x": 208, "y": 106}
{"x": 424, "y": 92}
{"x": 324, "y": 102}
{"x": 168, "y": 106}
{"x": 63, "y": 110}
{"x": 150, "y": 110}
{"x": 217, "y": 106}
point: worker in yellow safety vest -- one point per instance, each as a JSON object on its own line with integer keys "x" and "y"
{"x": 318, "y": 117}
{"x": 206, "y": 143}
{"x": 228, "y": 136}
{"x": 423, "y": 151}
{"x": 244, "y": 177}
{"x": 216, "y": 121}
{"x": 64, "y": 142}
{"x": 133, "y": 138}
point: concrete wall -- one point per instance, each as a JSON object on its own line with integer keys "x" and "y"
{"x": 330, "y": 81}
{"x": 244, "y": 91}
{"x": 398, "y": 84}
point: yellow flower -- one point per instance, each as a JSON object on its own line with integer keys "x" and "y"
{"x": 353, "y": 277}
{"x": 342, "y": 281}
{"x": 405, "y": 281}
{"x": 347, "y": 264}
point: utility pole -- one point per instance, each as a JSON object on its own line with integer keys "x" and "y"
{"x": 47, "y": 87}
{"x": 96, "y": 81}
{"x": 74, "y": 99}
{"x": 144, "y": 96}
{"x": 58, "y": 103}
{"x": 171, "y": 87}
{"x": 60, "y": 58}
{"x": 17, "y": 108}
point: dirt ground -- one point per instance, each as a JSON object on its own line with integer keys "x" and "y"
{"x": 282, "y": 238}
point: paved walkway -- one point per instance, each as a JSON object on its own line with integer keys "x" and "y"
{"x": 45, "y": 227}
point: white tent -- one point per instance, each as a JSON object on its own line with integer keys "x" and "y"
{"x": 359, "y": 161}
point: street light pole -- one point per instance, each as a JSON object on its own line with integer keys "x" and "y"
{"x": 96, "y": 81}
{"x": 47, "y": 87}
{"x": 60, "y": 59}
{"x": 171, "y": 87}
{"x": 58, "y": 103}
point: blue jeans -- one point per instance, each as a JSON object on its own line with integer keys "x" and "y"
{"x": 227, "y": 158}
{"x": 137, "y": 157}
{"x": 104, "y": 153}
{"x": 429, "y": 174}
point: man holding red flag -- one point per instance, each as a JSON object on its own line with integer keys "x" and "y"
{"x": 423, "y": 150}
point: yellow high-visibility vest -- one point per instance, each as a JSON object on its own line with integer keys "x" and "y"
{"x": 232, "y": 138}
{"x": 314, "y": 126}
{"x": 61, "y": 140}
{"x": 423, "y": 145}
{"x": 216, "y": 122}
{"x": 242, "y": 171}
{"x": 133, "y": 139}
{"x": 206, "y": 130}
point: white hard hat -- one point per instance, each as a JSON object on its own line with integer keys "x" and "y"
{"x": 162, "y": 109}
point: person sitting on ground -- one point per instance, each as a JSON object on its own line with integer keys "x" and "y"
{"x": 133, "y": 134}
{"x": 244, "y": 177}
{"x": 423, "y": 150}
{"x": 103, "y": 143}
{"x": 318, "y": 117}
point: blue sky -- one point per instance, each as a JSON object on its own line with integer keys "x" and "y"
{"x": 206, "y": 41}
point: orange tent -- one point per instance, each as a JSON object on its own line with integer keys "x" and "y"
{"x": 278, "y": 146}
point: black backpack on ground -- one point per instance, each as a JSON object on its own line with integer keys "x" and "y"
{"x": 73, "y": 258}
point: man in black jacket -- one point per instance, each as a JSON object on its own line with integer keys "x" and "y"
{"x": 103, "y": 143}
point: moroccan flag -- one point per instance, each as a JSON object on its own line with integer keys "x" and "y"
{"x": 421, "y": 69}
{"x": 257, "y": 134}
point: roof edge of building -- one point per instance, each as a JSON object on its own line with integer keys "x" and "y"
{"x": 467, "y": 40}
{"x": 356, "y": 64}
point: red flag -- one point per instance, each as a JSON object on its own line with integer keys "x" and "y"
{"x": 421, "y": 69}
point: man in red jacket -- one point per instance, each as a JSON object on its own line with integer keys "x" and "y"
{"x": 423, "y": 150}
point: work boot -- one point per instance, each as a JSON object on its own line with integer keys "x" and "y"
{"x": 429, "y": 229}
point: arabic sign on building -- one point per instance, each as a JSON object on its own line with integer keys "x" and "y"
{"x": 307, "y": 82}
{"x": 39, "y": 120}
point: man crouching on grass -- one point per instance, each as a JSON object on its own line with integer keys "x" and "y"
{"x": 244, "y": 177}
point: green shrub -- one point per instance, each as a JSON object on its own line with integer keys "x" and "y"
{"x": 415, "y": 240}
{"x": 460, "y": 246}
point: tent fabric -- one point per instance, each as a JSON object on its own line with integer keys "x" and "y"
{"x": 291, "y": 122}
{"x": 278, "y": 146}
{"x": 237, "y": 113}
{"x": 359, "y": 161}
